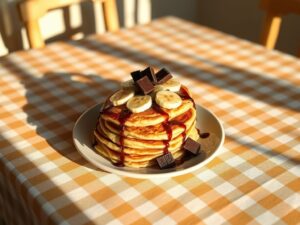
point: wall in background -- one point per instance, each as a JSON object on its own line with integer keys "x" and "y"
{"x": 240, "y": 18}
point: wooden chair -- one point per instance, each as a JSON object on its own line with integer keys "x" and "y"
{"x": 32, "y": 10}
{"x": 275, "y": 9}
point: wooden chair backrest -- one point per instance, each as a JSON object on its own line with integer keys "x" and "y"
{"x": 32, "y": 10}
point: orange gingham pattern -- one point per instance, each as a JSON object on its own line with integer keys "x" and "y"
{"x": 255, "y": 92}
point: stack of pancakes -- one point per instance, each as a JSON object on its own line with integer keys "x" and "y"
{"x": 142, "y": 137}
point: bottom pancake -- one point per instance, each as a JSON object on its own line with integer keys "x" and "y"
{"x": 130, "y": 160}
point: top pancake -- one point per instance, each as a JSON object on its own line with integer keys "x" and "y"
{"x": 149, "y": 117}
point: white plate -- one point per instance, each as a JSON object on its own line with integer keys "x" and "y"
{"x": 86, "y": 123}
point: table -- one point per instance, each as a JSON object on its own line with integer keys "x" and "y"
{"x": 254, "y": 92}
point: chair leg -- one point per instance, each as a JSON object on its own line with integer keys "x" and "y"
{"x": 34, "y": 34}
{"x": 111, "y": 15}
{"x": 271, "y": 29}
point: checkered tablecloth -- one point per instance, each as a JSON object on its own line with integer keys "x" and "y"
{"x": 254, "y": 92}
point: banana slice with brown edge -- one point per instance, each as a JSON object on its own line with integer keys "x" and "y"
{"x": 139, "y": 103}
{"x": 168, "y": 99}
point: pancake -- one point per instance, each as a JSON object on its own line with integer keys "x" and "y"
{"x": 137, "y": 125}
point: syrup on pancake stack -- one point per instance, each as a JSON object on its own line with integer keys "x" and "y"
{"x": 150, "y": 121}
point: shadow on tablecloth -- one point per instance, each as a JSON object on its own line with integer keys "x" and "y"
{"x": 55, "y": 100}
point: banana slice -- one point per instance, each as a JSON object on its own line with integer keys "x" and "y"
{"x": 121, "y": 96}
{"x": 168, "y": 99}
{"x": 127, "y": 84}
{"x": 171, "y": 85}
{"x": 139, "y": 103}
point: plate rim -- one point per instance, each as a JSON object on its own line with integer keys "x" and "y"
{"x": 133, "y": 174}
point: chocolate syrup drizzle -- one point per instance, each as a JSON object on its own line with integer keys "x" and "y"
{"x": 168, "y": 127}
{"x": 182, "y": 125}
{"x": 167, "y": 124}
{"x": 122, "y": 118}
{"x": 125, "y": 114}
{"x": 184, "y": 94}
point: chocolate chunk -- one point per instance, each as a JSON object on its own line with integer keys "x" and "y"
{"x": 145, "y": 85}
{"x": 192, "y": 146}
{"x": 166, "y": 161}
{"x": 162, "y": 76}
{"x": 204, "y": 135}
{"x": 149, "y": 72}
{"x": 136, "y": 75}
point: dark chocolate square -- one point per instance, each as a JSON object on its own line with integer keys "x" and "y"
{"x": 166, "y": 161}
{"x": 149, "y": 72}
{"x": 145, "y": 85}
{"x": 192, "y": 146}
{"x": 136, "y": 75}
{"x": 162, "y": 76}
